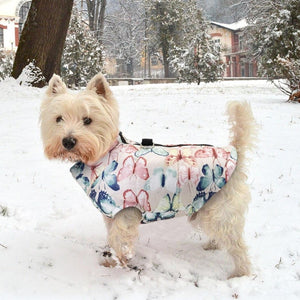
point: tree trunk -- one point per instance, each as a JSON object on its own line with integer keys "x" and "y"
{"x": 91, "y": 14}
{"x": 96, "y": 14}
{"x": 164, "y": 31}
{"x": 165, "y": 52}
{"x": 43, "y": 37}
{"x": 102, "y": 18}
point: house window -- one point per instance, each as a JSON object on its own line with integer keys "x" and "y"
{"x": 241, "y": 44}
{"x": 243, "y": 69}
{"x": 23, "y": 12}
{"x": 251, "y": 70}
{"x": 217, "y": 44}
{"x": 1, "y": 38}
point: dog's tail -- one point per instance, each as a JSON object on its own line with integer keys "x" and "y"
{"x": 243, "y": 129}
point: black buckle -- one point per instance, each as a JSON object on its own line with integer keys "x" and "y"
{"x": 147, "y": 142}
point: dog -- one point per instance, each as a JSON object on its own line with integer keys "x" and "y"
{"x": 132, "y": 183}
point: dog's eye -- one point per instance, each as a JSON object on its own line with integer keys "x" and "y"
{"x": 87, "y": 121}
{"x": 59, "y": 119}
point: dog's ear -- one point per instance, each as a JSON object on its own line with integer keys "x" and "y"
{"x": 100, "y": 86}
{"x": 56, "y": 86}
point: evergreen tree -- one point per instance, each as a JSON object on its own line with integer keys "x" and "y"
{"x": 195, "y": 57}
{"x": 83, "y": 54}
{"x": 274, "y": 38}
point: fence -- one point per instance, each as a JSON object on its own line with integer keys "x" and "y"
{"x": 135, "y": 81}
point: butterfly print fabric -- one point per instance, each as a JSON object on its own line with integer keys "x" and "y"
{"x": 161, "y": 181}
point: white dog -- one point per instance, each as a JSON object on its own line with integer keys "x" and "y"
{"x": 133, "y": 183}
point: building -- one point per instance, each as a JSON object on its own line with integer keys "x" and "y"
{"x": 233, "y": 48}
{"x": 13, "y": 14}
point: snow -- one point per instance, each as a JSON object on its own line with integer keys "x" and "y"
{"x": 241, "y": 24}
{"x": 52, "y": 234}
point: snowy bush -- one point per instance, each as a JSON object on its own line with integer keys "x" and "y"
{"x": 6, "y": 63}
{"x": 31, "y": 75}
{"x": 274, "y": 38}
{"x": 83, "y": 54}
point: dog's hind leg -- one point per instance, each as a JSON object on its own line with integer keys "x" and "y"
{"x": 223, "y": 222}
{"x": 222, "y": 219}
{"x": 238, "y": 250}
{"x": 122, "y": 233}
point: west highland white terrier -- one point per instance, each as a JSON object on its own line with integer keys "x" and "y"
{"x": 132, "y": 183}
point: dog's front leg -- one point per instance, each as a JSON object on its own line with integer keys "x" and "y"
{"x": 122, "y": 233}
{"x": 107, "y": 259}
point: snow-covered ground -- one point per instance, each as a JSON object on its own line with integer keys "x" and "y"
{"x": 51, "y": 235}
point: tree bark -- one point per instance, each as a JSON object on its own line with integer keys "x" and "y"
{"x": 165, "y": 52}
{"x": 102, "y": 18}
{"x": 43, "y": 37}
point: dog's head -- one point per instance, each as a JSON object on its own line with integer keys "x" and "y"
{"x": 80, "y": 126}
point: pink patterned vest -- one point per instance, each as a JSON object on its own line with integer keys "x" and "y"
{"x": 161, "y": 181}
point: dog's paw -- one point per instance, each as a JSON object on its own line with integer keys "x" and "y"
{"x": 108, "y": 259}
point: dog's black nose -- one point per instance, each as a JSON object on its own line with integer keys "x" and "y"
{"x": 69, "y": 143}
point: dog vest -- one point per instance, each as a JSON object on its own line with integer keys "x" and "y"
{"x": 160, "y": 180}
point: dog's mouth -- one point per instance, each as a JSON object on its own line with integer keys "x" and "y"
{"x": 63, "y": 154}
{"x": 79, "y": 152}
{"x": 73, "y": 155}
{"x": 66, "y": 155}
{"x": 70, "y": 156}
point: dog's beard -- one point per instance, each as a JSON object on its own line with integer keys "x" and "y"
{"x": 71, "y": 156}
{"x": 83, "y": 151}
{"x": 60, "y": 153}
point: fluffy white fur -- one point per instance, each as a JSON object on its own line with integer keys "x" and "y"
{"x": 95, "y": 102}
{"x": 222, "y": 218}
